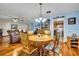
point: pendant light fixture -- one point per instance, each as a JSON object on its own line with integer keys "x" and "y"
{"x": 40, "y": 18}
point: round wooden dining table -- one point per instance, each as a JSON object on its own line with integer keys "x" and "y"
{"x": 40, "y": 41}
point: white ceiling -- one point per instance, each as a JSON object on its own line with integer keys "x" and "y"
{"x": 30, "y": 11}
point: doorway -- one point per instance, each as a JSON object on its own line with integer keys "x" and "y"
{"x": 59, "y": 29}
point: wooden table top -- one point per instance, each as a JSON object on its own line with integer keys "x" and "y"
{"x": 42, "y": 39}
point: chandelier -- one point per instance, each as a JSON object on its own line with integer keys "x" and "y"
{"x": 40, "y": 19}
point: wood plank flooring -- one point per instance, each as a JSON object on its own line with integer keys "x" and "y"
{"x": 15, "y": 49}
{"x": 69, "y": 51}
{"x": 10, "y": 49}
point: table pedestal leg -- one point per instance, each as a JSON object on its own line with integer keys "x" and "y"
{"x": 40, "y": 51}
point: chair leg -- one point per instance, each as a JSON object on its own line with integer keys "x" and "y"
{"x": 1, "y": 39}
{"x": 54, "y": 53}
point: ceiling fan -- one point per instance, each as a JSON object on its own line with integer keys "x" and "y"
{"x": 15, "y": 19}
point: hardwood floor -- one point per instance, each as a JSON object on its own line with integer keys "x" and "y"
{"x": 69, "y": 51}
{"x": 7, "y": 49}
{"x": 10, "y": 50}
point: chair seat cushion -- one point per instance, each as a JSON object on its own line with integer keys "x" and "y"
{"x": 57, "y": 50}
{"x": 49, "y": 46}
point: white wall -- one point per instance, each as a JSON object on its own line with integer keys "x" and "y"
{"x": 22, "y": 26}
{"x": 7, "y": 26}
{"x": 52, "y": 27}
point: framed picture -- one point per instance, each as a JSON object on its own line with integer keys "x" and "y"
{"x": 14, "y": 26}
{"x": 72, "y": 20}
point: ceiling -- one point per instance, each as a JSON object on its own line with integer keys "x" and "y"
{"x": 30, "y": 11}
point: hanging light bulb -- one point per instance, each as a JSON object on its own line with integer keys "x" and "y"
{"x": 43, "y": 20}
{"x": 40, "y": 18}
{"x": 37, "y": 20}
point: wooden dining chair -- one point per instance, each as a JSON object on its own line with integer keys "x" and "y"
{"x": 27, "y": 48}
{"x": 52, "y": 47}
{"x": 30, "y": 33}
{"x": 47, "y": 32}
